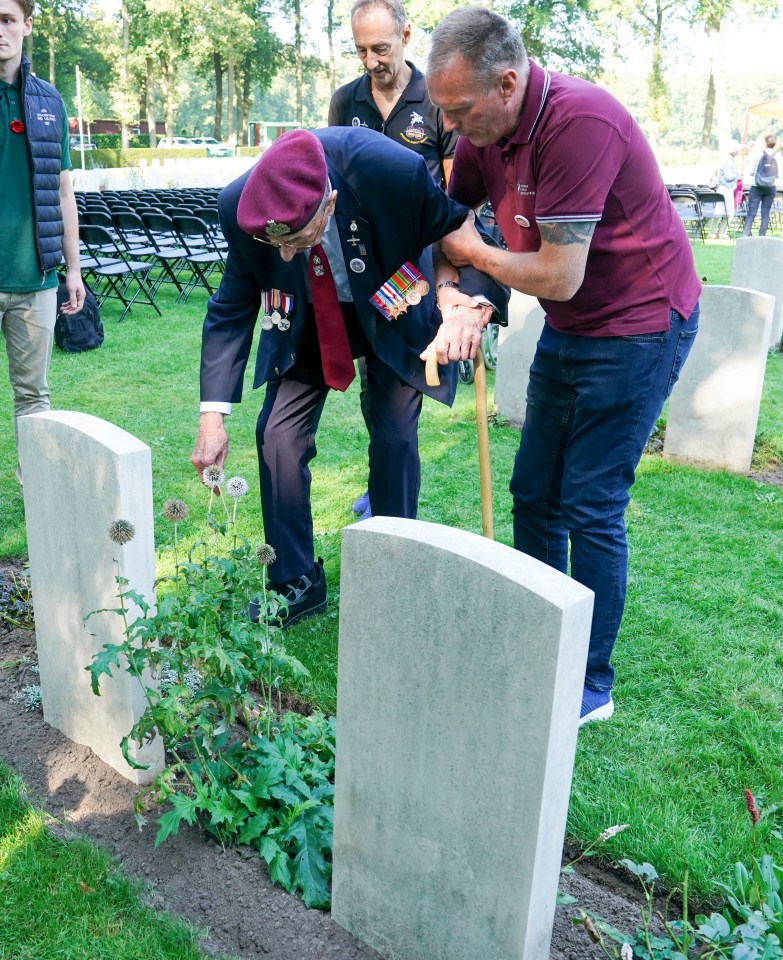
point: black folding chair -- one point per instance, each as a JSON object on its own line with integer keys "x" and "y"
{"x": 686, "y": 203}
{"x": 118, "y": 277}
{"x": 712, "y": 206}
{"x": 204, "y": 257}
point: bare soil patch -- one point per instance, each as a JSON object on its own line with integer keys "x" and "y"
{"x": 221, "y": 891}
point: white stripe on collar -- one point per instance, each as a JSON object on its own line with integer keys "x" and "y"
{"x": 544, "y": 93}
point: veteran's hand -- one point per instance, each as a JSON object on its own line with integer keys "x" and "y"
{"x": 459, "y": 336}
{"x": 463, "y": 246}
{"x": 211, "y": 444}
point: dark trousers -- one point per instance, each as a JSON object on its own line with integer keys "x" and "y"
{"x": 591, "y": 405}
{"x": 759, "y": 196}
{"x": 285, "y": 437}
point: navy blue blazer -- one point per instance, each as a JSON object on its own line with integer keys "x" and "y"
{"x": 387, "y": 200}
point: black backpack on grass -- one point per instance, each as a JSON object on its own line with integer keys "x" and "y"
{"x": 79, "y": 331}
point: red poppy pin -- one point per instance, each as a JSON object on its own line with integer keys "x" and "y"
{"x": 17, "y": 126}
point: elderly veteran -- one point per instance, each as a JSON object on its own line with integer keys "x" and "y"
{"x": 328, "y": 240}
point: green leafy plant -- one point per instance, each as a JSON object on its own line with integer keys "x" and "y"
{"x": 749, "y": 927}
{"x": 211, "y": 679}
{"x": 16, "y": 600}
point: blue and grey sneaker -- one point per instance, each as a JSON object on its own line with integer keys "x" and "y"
{"x": 362, "y": 504}
{"x": 596, "y": 705}
{"x": 367, "y": 515}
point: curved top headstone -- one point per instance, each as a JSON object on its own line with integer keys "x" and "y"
{"x": 80, "y": 475}
{"x": 460, "y": 675}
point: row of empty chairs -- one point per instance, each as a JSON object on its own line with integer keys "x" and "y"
{"x": 135, "y": 241}
{"x": 703, "y": 211}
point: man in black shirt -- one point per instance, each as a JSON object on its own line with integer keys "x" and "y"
{"x": 390, "y": 97}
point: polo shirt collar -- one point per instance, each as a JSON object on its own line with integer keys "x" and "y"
{"x": 415, "y": 92}
{"x": 533, "y": 105}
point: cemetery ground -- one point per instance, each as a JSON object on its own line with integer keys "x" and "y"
{"x": 698, "y": 693}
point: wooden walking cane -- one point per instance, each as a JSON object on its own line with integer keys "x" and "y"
{"x": 482, "y": 431}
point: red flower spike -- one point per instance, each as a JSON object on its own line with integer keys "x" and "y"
{"x": 750, "y": 803}
{"x": 17, "y": 126}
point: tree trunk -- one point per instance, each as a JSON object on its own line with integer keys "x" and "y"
{"x": 657, "y": 87}
{"x": 709, "y": 113}
{"x": 218, "y": 63}
{"x": 298, "y": 61}
{"x": 230, "y": 104}
{"x": 330, "y": 37}
{"x": 244, "y": 107}
{"x": 152, "y": 123}
{"x": 28, "y": 49}
{"x": 124, "y": 70}
{"x": 168, "y": 74}
{"x": 171, "y": 71}
{"x": 51, "y": 58}
{"x": 718, "y": 77}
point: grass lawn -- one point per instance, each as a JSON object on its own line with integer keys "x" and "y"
{"x": 66, "y": 899}
{"x": 699, "y": 682}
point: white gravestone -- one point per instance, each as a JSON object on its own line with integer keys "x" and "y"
{"x": 714, "y": 408}
{"x": 461, "y": 667}
{"x": 758, "y": 265}
{"x": 516, "y": 348}
{"x": 80, "y": 475}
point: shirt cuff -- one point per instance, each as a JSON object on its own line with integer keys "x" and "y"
{"x": 484, "y": 302}
{"x": 215, "y": 406}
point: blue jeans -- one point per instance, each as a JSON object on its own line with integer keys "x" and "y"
{"x": 592, "y": 403}
{"x": 763, "y": 196}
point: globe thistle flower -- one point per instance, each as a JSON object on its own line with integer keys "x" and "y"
{"x": 265, "y": 555}
{"x": 236, "y": 487}
{"x": 121, "y": 531}
{"x": 212, "y": 476}
{"x": 175, "y": 510}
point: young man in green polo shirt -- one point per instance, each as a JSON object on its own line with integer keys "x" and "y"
{"x": 38, "y": 220}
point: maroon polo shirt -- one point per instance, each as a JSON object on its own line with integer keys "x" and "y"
{"x": 578, "y": 155}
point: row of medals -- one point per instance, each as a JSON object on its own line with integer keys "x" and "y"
{"x": 275, "y": 319}
{"x": 396, "y": 307}
{"x": 410, "y": 298}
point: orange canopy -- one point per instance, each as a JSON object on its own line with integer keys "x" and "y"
{"x": 768, "y": 108}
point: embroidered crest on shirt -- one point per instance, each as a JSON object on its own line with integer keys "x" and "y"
{"x": 415, "y": 133}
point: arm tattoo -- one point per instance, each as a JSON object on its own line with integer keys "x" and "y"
{"x": 563, "y": 234}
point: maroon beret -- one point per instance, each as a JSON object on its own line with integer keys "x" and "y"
{"x": 285, "y": 187}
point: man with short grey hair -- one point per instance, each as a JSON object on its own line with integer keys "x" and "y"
{"x": 592, "y": 233}
{"x": 390, "y": 97}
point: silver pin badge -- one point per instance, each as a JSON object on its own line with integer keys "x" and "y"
{"x": 354, "y": 227}
{"x": 521, "y": 221}
{"x": 358, "y": 266}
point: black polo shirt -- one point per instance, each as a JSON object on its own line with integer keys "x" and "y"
{"x": 414, "y": 121}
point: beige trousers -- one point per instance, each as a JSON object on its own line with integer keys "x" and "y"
{"x": 27, "y": 323}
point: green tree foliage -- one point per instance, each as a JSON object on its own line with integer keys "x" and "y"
{"x": 66, "y": 33}
{"x": 561, "y": 34}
